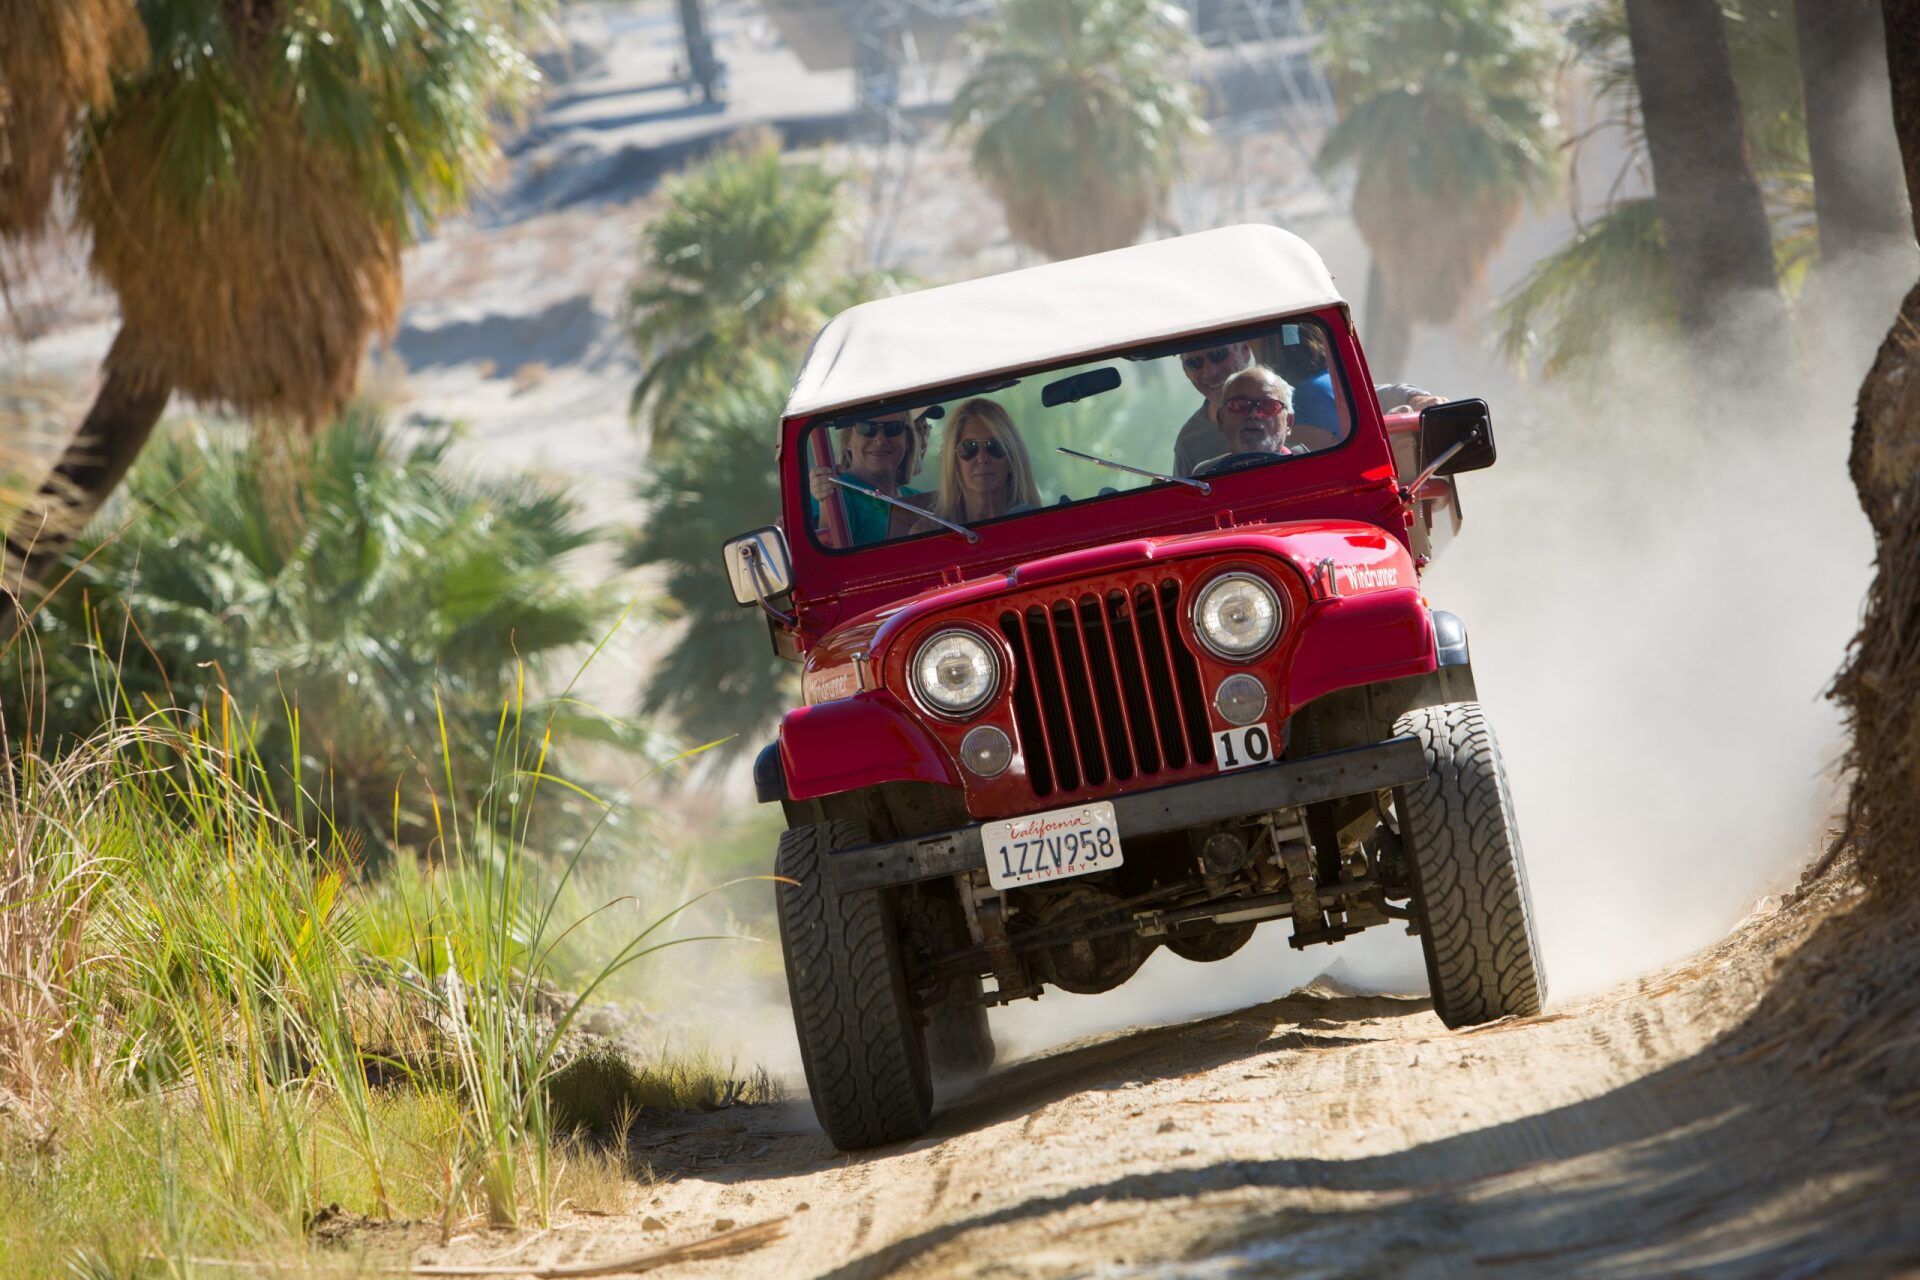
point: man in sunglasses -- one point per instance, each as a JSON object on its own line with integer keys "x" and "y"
{"x": 1254, "y": 415}
{"x": 1210, "y": 369}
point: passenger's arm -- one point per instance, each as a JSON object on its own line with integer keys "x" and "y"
{"x": 1394, "y": 394}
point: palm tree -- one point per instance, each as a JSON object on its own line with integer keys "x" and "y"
{"x": 247, "y": 189}
{"x": 1445, "y": 125}
{"x": 1612, "y": 275}
{"x": 1879, "y": 686}
{"x": 740, "y": 273}
{"x": 58, "y": 62}
{"x": 721, "y": 678}
{"x": 367, "y": 584}
{"x": 1719, "y": 242}
{"x": 1858, "y": 189}
{"x": 1079, "y": 110}
{"x": 739, "y": 269}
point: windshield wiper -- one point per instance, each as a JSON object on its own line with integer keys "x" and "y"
{"x": 960, "y": 529}
{"x": 1201, "y": 485}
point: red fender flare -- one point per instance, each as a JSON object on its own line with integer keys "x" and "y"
{"x": 851, "y": 743}
{"x": 1354, "y": 640}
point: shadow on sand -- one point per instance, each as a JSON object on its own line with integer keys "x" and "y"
{"x": 1785, "y": 1148}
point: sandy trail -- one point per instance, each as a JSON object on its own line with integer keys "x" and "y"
{"x": 1329, "y": 1134}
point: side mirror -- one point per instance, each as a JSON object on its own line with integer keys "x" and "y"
{"x": 759, "y": 567}
{"x": 1455, "y": 437}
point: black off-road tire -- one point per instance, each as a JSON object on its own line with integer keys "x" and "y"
{"x": 865, "y": 1058}
{"x": 1469, "y": 880}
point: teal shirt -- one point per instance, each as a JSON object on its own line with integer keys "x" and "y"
{"x": 868, "y": 518}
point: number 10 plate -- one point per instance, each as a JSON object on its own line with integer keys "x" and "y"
{"x": 1043, "y": 847}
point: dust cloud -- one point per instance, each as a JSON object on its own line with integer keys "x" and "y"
{"x": 1658, "y": 579}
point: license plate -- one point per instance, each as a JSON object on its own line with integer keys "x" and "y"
{"x": 1043, "y": 847}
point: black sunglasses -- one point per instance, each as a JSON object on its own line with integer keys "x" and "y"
{"x": 1219, "y": 355}
{"x": 892, "y": 428}
{"x": 970, "y": 449}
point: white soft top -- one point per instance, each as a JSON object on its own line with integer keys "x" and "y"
{"x": 1051, "y": 314}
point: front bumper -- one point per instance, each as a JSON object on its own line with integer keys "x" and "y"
{"x": 1245, "y": 793}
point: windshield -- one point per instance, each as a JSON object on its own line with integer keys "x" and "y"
{"x": 1076, "y": 433}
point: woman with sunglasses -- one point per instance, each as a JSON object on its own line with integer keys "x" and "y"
{"x": 984, "y": 468}
{"x": 880, "y": 454}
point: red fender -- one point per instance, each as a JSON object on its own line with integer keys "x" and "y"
{"x": 856, "y": 742}
{"x": 1353, "y": 640}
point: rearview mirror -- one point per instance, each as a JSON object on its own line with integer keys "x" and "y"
{"x": 1079, "y": 386}
{"x": 1455, "y": 437}
{"x": 759, "y": 566}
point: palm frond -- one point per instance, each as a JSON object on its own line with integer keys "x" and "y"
{"x": 356, "y": 575}
{"x": 1610, "y": 279}
{"x": 721, "y": 679}
{"x": 1079, "y": 111}
{"x": 737, "y": 265}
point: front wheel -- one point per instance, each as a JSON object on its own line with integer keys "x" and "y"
{"x": 865, "y": 1058}
{"x": 1469, "y": 881}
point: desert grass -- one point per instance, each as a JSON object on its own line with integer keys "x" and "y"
{"x": 215, "y": 1032}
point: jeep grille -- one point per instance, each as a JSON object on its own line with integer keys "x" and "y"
{"x": 1105, "y": 687}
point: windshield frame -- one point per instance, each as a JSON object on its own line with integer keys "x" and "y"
{"x": 1338, "y": 347}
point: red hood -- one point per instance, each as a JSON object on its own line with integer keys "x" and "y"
{"x": 1363, "y": 556}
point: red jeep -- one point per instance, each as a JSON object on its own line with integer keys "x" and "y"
{"x": 1064, "y": 704}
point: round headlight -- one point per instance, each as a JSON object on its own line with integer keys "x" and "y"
{"x": 1236, "y": 616}
{"x": 955, "y": 672}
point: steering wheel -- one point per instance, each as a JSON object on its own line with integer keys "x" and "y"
{"x": 1235, "y": 461}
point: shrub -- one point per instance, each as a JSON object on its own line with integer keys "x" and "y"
{"x": 356, "y": 594}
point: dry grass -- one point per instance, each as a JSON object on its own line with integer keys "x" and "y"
{"x": 43, "y": 912}
{"x": 203, "y": 1042}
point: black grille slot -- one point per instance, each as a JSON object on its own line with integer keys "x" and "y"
{"x": 1105, "y": 688}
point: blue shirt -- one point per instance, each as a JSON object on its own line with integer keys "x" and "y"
{"x": 868, "y": 518}
{"x": 1313, "y": 404}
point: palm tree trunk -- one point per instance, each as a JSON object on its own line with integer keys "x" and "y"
{"x": 1719, "y": 244}
{"x": 91, "y": 468}
{"x": 1859, "y": 196}
{"x": 1879, "y": 687}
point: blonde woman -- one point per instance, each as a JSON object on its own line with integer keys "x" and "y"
{"x": 984, "y": 468}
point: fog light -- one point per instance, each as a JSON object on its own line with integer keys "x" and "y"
{"x": 987, "y": 752}
{"x": 1240, "y": 699}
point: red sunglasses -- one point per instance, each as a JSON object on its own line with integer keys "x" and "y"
{"x": 1255, "y": 406}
